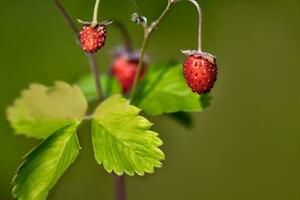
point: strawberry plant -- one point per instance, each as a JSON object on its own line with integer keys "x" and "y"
{"x": 123, "y": 140}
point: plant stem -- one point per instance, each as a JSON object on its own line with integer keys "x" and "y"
{"x": 67, "y": 17}
{"x": 136, "y": 6}
{"x": 91, "y": 57}
{"x": 120, "y": 191}
{"x": 158, "y": 21}
{"x": 147, "y": 33}
{"x": 196, "y": 4}
{"x": 141, "y": 60}
{"x": 96, "y": 74}
{"x": 95, "y": 15}
{"x": 119, "y": 181}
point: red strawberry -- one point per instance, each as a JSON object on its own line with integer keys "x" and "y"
{"x": 92, "y": 38}
{"x": 124, "y": 69}
{"x": 200, "y": 71}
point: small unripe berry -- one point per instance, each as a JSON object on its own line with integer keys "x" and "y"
{"x": 92, "y": 38}
{"x": 200, "y": 72}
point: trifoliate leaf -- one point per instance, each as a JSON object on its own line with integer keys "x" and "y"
{"x": 164, "y": 91}
{"x": 87, "y": 85}
{"x": 122, "y": 140}
{"x": 43, "y": 166}
{"x": 40, "y": 110}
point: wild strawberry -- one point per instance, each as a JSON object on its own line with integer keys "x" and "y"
{"x": 200, "y": 71}
{"x": 92, "y": 38}
{"x": 124, "y": 69}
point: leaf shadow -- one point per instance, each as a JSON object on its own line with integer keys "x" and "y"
{"x": 182, "y": 118}
{"x": 205, "y": 100}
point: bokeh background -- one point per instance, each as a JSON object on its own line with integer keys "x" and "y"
{"x": 246, "y": 146}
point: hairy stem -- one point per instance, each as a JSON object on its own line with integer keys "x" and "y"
{"x": 147, "y": 33}
{"x": 95, "y": 15}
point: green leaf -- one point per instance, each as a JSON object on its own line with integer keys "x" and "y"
{"x": 164, "y": 91}
{"x": 43, "y": 166}
{"x": 122, "y": 140}
{"x": 108, "y": 83}
{"x": 40, "y": 110}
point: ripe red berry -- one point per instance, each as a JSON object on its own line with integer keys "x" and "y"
{"x": 200, "y": 72}
{"x": 124, "y": 69}
{"x": 92, "y": 38}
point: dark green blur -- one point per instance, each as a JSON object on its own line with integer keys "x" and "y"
{"x": 245, "y": 146}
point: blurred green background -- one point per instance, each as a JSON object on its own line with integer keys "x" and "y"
{"x": 246, "y": 146}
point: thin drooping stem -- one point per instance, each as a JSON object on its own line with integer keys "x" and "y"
{"x": 95, "y": 15}
{"x": 199, "y": 10}
{"x": 120, "y": 190}
{"x": 153, "y": 26}
{"x": 147, "y": 34}
{"x": 91, "y": 58}
{"x": 196, "y": 4}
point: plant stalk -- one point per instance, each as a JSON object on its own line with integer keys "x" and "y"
{"x": 147, "y": 33}
{"x": 119, "y": 181}
{"x": 66, "y": 16}
{"x": 141, "y": 60}
{"x": 196, "y": 4}
{"x": 120, "y": 190}
{"x": 91, "y": 57}
{"x": 95, "y": 15}
{"x": 96, "y": 74}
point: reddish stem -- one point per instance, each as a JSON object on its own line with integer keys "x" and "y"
{"x": 120, "y": 190}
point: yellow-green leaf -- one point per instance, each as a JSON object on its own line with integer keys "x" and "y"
{"x": 122, "y": 140}
{"x": 41, "y": 110}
